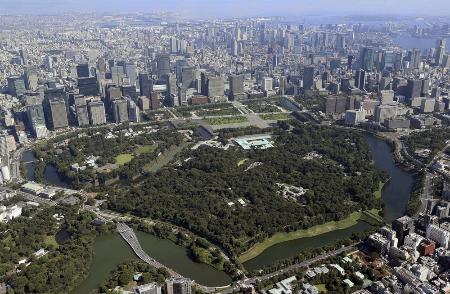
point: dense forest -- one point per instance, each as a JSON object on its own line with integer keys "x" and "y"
{"x": 195, "y": 195}
{"x": 64, "y": 266}
{"x": 433, "y": 139}
{"x": 124, "y": 272}
{"x": 77, "y": 148}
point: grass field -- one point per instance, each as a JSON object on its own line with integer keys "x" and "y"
{"x": 258, "y": 248}
{"x": 226, "y": 120}
{"x": 321, "y": 288}
{"x": 276, "y": 116}
{"x": 242, "y": 161}
{"x": 145, "y": 149}
{"x": 121, "y": 159}
{"x": 51, "y": 241}
{"x": 164, "y": 158}
{"x": 380, "y": 189}
{"x": 371, "y": 216}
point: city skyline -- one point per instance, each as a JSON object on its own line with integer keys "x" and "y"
{"x": 231, "y": 8}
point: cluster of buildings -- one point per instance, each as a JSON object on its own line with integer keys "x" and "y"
{"x": 172, "y": 286}
{"x": 417, "y": 253}
{"x": 9, "y": 213}
{"x": 87, "y": 70}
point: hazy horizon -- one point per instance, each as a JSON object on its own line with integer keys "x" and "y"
{"x": 231, "y": 8}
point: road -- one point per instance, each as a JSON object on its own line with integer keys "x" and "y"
{"x": 297, "y": 266}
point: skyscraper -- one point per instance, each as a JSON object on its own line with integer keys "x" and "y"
{"x": 31, "y": 78}
{"x": 308, "y": 77}
{"x": 440, "y": 51}
{"x": 96, "y": 110}
{"x": 88, "y": 86}
{"x": 154, "y": 101}
{"x": 120, "y": 110}
{"x": 414, "y": 56}
{"x": 83, "y": 70}
{"x": 237, "y": 87}
{"x": 367, "y": 59}
{"x": 413, "y": 88}
{"x": 188, "y": 77}
{"x": 81, "y": 112}
{"x": 145, "y": 84}
{"x": 36, "y": 120}
{"x": 163, "y": 65}
{"x": 360, "y": 79}
{"x": 133, "y": 111}
{"x": 215, "y": 86}
{"x": 58, "y": 114}
{"x": 267, "y": 84}
{"x": 16, "y": 86}
{"x": 130, "y": 71}
{"x": 117, "y": 75}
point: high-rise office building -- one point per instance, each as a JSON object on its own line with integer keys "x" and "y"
{"x": 163, "y": 65}
{"x": 215, "y": 86}
{"x": 308, "y": 77}
{"x": 16, "y": 86}
{"x": 117, "y": 74}
{"x": 144, "y": 103}
{"x": 120, "y": 110}
{"x": 188, "y": 77}
{"x": 237, "y": 87}
{"x": 31, "y": 78}
{"x": 81, "y": 111}
{"x": 403, "y": 226}
{"x": 360, "y": 79}
{"x": 440, "y": 52}
{"x": 36, "y": 120}
{"x": 173, "y": 45}
{"x": 145, "y": 84}
{"x": 96, "y": 110}
{"x": 414, "y": 57}
{"x": 267, "y": 84}
{"x": 154, "y": 101}
{"x": 83, "y": 70}
{"x": 88, "y": 86}
{"x": 178, "y": 286}
{"x": 340, "y": 42}
{"x": 129, "y": 91}
{"x": 367, "y": 59}
{"x": 130, "y": 72}
{"x": 414, "y": 88}
{"x": 172, "y": 91}
{"x": 133, "y": 111}
{"x": 112, "y": 93}
{"x": 57, "y": 114}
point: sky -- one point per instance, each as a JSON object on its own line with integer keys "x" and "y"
{"x": 231, "y": 8}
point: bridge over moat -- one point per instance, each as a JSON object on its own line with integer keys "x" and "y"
{"x": 130, "y": 237}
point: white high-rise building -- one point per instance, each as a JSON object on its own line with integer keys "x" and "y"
{"x": 438, "y": 235}
{"x": 267, "y": 84}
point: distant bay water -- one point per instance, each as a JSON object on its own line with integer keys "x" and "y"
{"x": 407, "y": 41}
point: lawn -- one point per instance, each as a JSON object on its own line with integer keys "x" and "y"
{"x": 51, "y": 241}
{"x": 226, "y": 120}
{"x": 145, "y": 149}
{"x": 242, "y": 161}
{"x": 275, "y": 116}
{"x": 164, "y": 158}
{"x": 277, "y": 238}
{"x": 321, "y": 288}
{"x": 377, "y": 193}
{"x": 370, "y": 216}
{"x": 121, "y": 159}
